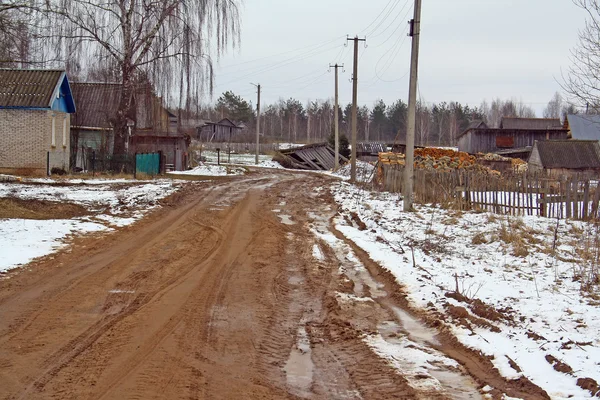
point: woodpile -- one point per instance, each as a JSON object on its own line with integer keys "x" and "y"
{"x": 433, "y": 159}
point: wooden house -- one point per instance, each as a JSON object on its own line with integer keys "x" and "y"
{"x": 561, "y": 158}
{"x": 35, "y": 113}
{"x": 541, "y": 124}
{"x": 219, "y": 132}
{"x": 153, "y": 127}
{"x": 583, "y": 127}
{"x": 513, "y": 138}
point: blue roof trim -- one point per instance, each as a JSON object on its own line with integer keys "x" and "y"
{"x": 62, "y": 99}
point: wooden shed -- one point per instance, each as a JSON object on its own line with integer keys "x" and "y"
{"x": 560, "y": 158}
{"x": 219, "y": 132}
{"x": 513, "y": 135}
{"x": 486, "y": 140}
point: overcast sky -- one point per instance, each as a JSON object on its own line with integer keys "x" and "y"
{"x": 471, "y": 50}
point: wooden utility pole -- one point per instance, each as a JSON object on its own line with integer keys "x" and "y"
{"x": 257, "y": 124}
{"x": 409, "y": 173}
{"x": 336, "y": 117}
{"x": 354, "y": 108}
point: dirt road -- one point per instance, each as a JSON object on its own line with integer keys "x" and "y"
{"x": 227, "y": 292}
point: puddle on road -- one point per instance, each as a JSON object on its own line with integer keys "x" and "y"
{"x": 317, "y": 253}
{"x": 395, "y": 344}
{"x": 286, "y": 219}
{"x": 456, "y": 385}
{"x": 299, "y": 366}
{"x": 295, "y": 280}
{"x": 416, "y": 330}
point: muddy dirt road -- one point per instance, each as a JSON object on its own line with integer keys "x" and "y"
{"x": 234, "y": 290}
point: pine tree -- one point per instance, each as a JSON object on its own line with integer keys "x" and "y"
{"x": 344, "y": 144}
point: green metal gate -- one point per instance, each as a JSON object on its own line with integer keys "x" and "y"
{"x": 147, "y": 163}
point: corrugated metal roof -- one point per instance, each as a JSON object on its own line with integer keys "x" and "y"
{"x": 318, "y": 156}
{"x": 97, "y": 104}
{"x": 571, "y": 154}
{"x": 371, "y": 147}
{"x": 531, "y": 123}
{"x": 24, "y": 88}
{"x": 584, "y": 127}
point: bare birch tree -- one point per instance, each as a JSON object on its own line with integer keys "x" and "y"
{"x": 582, "y": 80}
{"x": 166, "y": 42}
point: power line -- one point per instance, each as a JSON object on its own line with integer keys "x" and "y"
{"x": 277, "y": 65}
{"x": 316, "y": 45}
{"x": 376, "y": 18}
{"x": 393, "y": 21}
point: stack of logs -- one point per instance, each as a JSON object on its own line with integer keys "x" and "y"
{"x": 434, "y": 159}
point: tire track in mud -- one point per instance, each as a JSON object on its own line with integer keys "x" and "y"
{"x": 222, "y": 301}
{"x": 84, "y": 341}
{"x": 478, "y": 367}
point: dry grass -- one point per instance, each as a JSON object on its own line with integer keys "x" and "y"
{"x": 11, "y": 207}
{"x": 479, "y": 238}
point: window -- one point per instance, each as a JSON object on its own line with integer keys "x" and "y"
{"x": 53, "y": 143}
{"x": 64, "y": 131}
{"x": 505, "y": 142}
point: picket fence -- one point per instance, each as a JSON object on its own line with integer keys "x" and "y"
{"x": 573, "y": 197}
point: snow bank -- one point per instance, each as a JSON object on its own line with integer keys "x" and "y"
{"x": 22, "y": 240}
{"x": 537, "y": 291}
{"x": 112, "y": 204}
{"x": 211, "y": 170}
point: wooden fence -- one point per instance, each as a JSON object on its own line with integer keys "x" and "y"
{"x": 265, "y": 148}
{"x": 573, "y": 197}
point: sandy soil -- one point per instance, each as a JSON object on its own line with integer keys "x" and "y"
{"x": 214, "y": 296}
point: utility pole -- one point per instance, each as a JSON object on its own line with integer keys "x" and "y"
{"x": 336, "y": 121}
{"x": 354, "y": 108}
{"x": 257, "y": 124}
{"x": 409, "y": 173}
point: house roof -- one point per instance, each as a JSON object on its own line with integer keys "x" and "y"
{"x": 97, "y": 104}
{"x": 476, "y": 124}
{"x": 531, "y": 123}
{"x": 32, "y": 88}
{"x": 584, "y": 127}
{"x": 570, "y": 154}
{"x": 225, "y": 122}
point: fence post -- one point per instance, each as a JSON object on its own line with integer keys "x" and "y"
{"x": 542, "y": 198}
{"x": 586, "y": 199}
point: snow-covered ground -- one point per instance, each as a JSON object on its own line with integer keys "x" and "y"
{"x": 521, "y": 295}
{"x": 211, "y": 170}
{"x": 111, "y": 204}
{"x": 364, "y": 172}
{"x": 235, "y": 158}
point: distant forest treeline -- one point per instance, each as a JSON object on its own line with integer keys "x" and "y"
{"x": 438, "y": 124}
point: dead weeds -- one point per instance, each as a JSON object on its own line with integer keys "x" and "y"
{"x": 13, "y": 208}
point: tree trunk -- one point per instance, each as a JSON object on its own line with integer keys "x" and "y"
{"x": 125, "y": 111}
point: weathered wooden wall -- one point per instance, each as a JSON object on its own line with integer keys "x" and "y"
{"x": 484, "y": 140}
